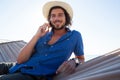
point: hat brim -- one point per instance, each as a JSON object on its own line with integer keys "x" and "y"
{"x": 49, "y": 5}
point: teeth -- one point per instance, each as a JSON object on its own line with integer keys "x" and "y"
{"x": 57, "y": 22}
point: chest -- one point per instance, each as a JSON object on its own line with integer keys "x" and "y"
{"x": 56, "y": 43}
{"x": 53, "y": 40}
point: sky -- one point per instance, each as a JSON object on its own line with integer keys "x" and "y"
{"x": 97, "y": 20}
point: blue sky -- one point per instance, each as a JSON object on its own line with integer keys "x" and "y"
{"x": 97, "y": 20}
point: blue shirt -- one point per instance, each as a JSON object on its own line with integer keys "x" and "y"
{"x": 47, "y": 58}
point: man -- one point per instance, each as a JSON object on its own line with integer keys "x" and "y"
{"x": 48, "y": 49}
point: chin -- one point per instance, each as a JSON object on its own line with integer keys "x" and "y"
{"x": 58, "y": 27}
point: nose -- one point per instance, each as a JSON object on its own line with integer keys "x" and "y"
{"x": 56, "y": 18}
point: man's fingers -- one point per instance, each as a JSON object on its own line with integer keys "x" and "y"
{"x": 68, "y": 67}
{"x": 61, "y": 68}
{"x": 44, "y": 28}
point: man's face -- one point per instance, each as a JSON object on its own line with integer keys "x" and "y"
{"x": 57, "y": 19}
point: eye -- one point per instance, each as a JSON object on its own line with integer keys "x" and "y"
{"x": 52, "y": 15}
{"x": 61, "y": 15}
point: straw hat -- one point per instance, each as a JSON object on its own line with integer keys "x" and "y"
{"x": 51, "y": 4}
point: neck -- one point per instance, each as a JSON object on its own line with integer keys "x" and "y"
{"x": 59, "y": 32}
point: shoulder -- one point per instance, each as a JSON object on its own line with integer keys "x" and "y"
{"x": 76, "y": 33}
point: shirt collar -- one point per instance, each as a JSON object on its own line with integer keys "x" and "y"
{"x": 68, "y": 34}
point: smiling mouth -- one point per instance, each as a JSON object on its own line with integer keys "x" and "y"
{"x": 57, "y": 23}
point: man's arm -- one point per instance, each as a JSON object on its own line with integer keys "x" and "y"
{"x": 28, "y": 50}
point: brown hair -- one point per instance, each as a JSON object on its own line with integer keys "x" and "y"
{"x": 67, "y": 16}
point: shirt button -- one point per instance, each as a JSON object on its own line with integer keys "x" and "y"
{"x": 45, "y": 54}
{"x": 44, "y": 42}
{"x": 25, "y": 65}
{"x": 68, "y": 39}
{"x": 51, "y": 46}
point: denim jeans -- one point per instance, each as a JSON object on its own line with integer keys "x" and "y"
{"x": 4, "y": 74}
{"x": 4, "y": 69}
{"x": 16, "y": 76}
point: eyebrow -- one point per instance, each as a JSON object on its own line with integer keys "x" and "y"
{"x": 58, "y": 13}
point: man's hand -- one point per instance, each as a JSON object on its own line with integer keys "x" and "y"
{"x": 42, "y": 30}
{"x": 68, "y": 67}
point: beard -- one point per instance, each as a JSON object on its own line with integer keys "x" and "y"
{"x": 57, "y": 27}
